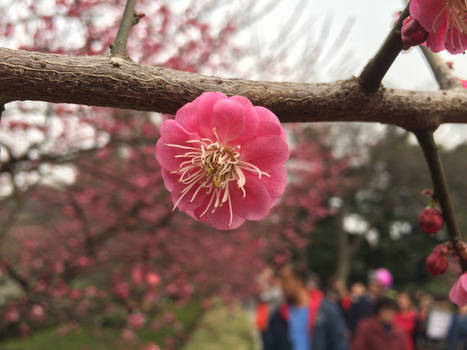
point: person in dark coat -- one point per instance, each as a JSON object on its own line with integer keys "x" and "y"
{"x": 306, "y": 321}
{"x": 379, "y": 331}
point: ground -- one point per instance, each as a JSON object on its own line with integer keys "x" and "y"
{"x": 222, "y": 327}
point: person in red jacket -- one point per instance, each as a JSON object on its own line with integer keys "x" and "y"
{"x": 406, "y": 319}
{"x": 379, "y": 332}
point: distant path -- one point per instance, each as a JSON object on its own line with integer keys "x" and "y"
{"x": 226, "y": 328}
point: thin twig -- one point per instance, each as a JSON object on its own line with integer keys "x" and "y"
{"x": 441, "y": 71}
{"x": 376, "y": 69}
{"x": 433, "y": 159}
{"x": 118, "y": 48}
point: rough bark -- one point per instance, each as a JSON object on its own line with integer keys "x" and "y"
{"x": 96, "y": 81}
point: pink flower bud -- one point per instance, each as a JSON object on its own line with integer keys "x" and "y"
{"x": 430, "y": 220}
{"x": 412, "y": 33}
{"x": 436, "y": 263}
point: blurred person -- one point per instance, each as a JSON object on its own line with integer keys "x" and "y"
{"x": 270, "y": 297}
{"x": 362, "y": 305}
{"x": 379, "y": 332}
{"x": 306, "y": 320}
{"x": 338, "y": 293}
{"x": 424, "y": 303}
{"x": 438, "y": 324}
{"x": 406, "y": 319}
{"x": 375, "y": 289}
{"x": 457, "y": 337}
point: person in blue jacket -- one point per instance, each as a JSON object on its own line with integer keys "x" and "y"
{"x": 305, "y": 321}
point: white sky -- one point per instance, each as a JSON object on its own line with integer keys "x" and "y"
{"x": 373, "y": 21}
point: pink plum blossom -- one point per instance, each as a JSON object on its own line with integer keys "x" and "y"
{"x": 137, "y": 320}
{"x": 12, "y": 314}
{"x": 458, "y": 293}
{"x": 37, "y": 312}
{"x": 223, "y": 160}
{"x": 121, "y": 290}
{"x": 137, "y": 274}
{"x": 150, "y": 346}
{"x": 152, "y": 279}
{"x": 445, "y": 21}
{"x": 127, "y": 334}
{"x": 464, "y": 83}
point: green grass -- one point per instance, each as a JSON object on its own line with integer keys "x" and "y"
{"x": 223, "y": 328}
{"x": 103, "y": 338}
{"x": 80, "y": 339}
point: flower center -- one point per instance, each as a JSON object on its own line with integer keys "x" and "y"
{"x": 211, "y": 166}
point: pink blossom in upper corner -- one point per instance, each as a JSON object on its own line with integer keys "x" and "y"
{"x": 412, "y": 33}
{"x": 223, "y": 160}
{"x": 458, "y": 293}
{"x": 445, "y": 21}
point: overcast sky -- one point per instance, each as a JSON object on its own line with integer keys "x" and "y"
{"x": 373, "y": 21}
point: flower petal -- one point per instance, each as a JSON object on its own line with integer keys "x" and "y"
{"x": 250, "y": 128}
{"x": 186, "y": 116}
{"x": 257, "y": 202}
{"x": 220, "y": 219}
{"x": 172, "y": 133}
{"x": 275, "y": 184}
{"x": 435, "y": 41}
{"x": 428, "y": 13}
{"x": 204, "y": 109}
{"x": 169, "y": 179}
{"x": 242, "y": 100}
{"x": 186, "y": 202}
{"x": 455, "y": 42}
{"x": 458, "y": 294}
{"x": 265, "y": 152}
{"x": 228, "y": 119}
{"x": 270, "y": 124}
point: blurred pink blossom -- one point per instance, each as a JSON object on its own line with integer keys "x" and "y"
{"x": 127, "y": 334}
{"x": 37, "y": 313}
{"x": 458, "y": 293}
{"x": 152, "y": 279}
{"x": 137, "y": 320}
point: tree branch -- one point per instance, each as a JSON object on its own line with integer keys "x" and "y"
{"x": 92, "y": 80}
{"x": 15, "y": 276}
{"x": 443, "y": 75}
{"x": 118, "y": 48}
{"x": 430, "y": 150}
{"x": 376, "y": 69}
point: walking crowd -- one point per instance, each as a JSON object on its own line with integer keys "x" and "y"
{"x": 293, "y": 313}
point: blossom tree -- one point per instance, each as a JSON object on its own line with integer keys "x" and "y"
{"x": 107, "y": 241}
